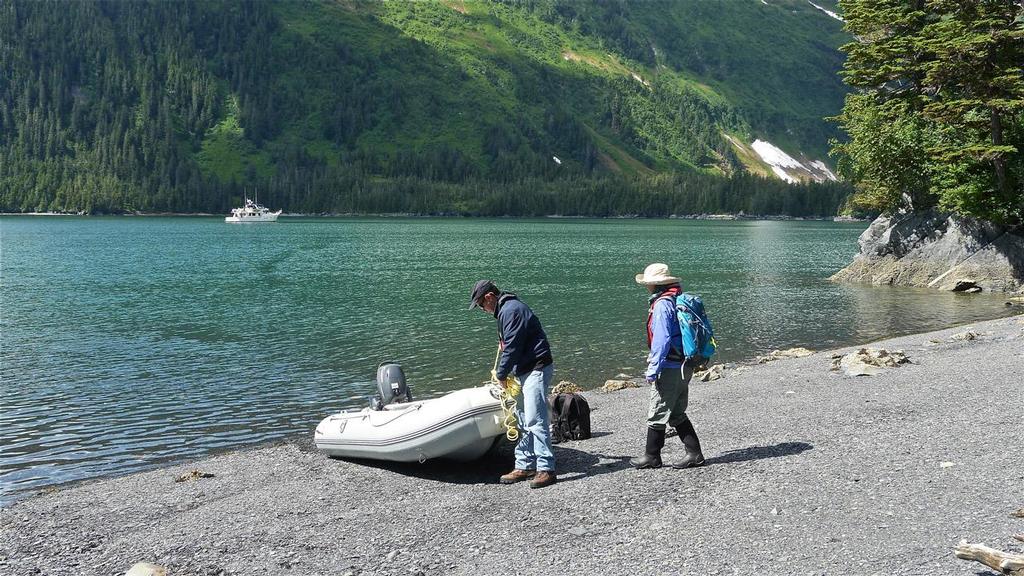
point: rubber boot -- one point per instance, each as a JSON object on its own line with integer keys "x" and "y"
{"x": 693, "y": 456}
{"x": 652, "y": 454}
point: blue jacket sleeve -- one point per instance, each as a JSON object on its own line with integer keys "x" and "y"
{"x": 661, "y": 337}
{"x": 513, "y": 334}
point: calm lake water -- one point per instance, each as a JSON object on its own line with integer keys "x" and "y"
{"x": 129, "y": 342}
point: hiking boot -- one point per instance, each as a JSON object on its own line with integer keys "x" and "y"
{"x": 543, "y": 478}
{"x": 517, "y": 475}
{"x": 652, "y": 454}
{"x": 694, "y": 457}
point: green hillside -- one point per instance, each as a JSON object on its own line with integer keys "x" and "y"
{"x": 443, "y": 107}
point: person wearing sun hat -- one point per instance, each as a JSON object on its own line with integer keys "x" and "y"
{"x": 525, "y": 353}
{"x": 667, "y": 372}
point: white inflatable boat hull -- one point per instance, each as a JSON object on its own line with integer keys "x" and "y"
{"x": 461, "y": 425}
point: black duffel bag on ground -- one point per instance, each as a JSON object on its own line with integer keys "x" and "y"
{"x": 570, "y": 418}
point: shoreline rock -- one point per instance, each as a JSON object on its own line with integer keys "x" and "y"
{"x": 710, "y": 374}
{"x": 615, "y": 385}
{"x": 798, "y": 352}
{"x": 936, "y": 250}
{"x": 868, "y": 361}
{"x": 565, "y": 387}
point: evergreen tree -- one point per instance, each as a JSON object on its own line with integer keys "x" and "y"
{"x": 112, "y": 107}
{"x": 938, "y": 115}
{"x": 975, "y": 88}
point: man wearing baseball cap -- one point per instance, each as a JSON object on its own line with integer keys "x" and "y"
{"x": 525, "y": 352}
{"x": 667, "y": 372}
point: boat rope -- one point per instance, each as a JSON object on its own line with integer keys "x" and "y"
{"x": 507, "y": 397}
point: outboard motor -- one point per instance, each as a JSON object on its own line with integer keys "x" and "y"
{"x": 391, "y": 384}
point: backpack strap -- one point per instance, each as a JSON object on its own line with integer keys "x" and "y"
{"x": 692, "y": 312}
{"x": 572, "y": 405}
{"x": 553, "y": 406}
{"x": 559, "y": 405}
{"x": 675, "y": 355}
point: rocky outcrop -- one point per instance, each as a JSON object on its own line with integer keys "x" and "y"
{"x": 710, "y": 374}
{"x": 774, "y": 355}
{"x": 868, "y": 361}
{"x": 616, "y": 385}
{"x": 936, "y": 250}
{"x": 566, "y": 387}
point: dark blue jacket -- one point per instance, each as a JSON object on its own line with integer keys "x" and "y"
{"x": 523, "y": 341}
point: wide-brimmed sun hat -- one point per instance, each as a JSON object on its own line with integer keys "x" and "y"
{"x": 656, "y": 274}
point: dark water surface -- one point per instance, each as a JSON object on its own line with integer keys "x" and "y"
{"x": 127, "y": 342}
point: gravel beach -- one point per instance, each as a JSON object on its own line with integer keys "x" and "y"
{"x": 809, "y": 471}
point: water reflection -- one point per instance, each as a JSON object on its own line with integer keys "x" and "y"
{"x": 878, "y": 312}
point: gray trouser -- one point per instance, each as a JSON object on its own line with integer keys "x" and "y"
{"x": 669, "y": 396}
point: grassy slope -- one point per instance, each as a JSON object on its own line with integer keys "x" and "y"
{"x": 456, "y": 70}
{"x": 777, "y": 63}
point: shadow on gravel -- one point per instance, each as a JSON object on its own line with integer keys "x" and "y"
{"x": 571, "y": 463}
{"x": 576, "y": 464}
{"x": 760, "y": 452}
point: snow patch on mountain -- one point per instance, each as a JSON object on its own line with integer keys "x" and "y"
{"x": 827, "y": 11}
{"x": 790, "y": 169}
{"x": 774, "y": 155}
{"x": 783, "y": 175}
{"x": 824, "y": 169}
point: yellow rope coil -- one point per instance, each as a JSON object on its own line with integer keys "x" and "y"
{"x": 508, "y": 400}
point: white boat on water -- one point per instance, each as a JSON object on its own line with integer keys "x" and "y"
{"x": 252, "y": 212}
{"x": 460, "y": 425}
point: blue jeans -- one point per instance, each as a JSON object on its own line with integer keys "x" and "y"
{"x": 533, "y": 452}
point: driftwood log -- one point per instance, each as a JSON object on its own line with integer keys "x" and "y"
{"x": 1004, "y": 562}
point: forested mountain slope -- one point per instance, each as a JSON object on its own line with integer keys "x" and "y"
{"x": 538, "y": 107}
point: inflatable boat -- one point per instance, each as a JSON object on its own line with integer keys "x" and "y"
{"x": 460, "y": 425}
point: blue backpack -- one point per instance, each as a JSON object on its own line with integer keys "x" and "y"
{"x": 698, "y": 337}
